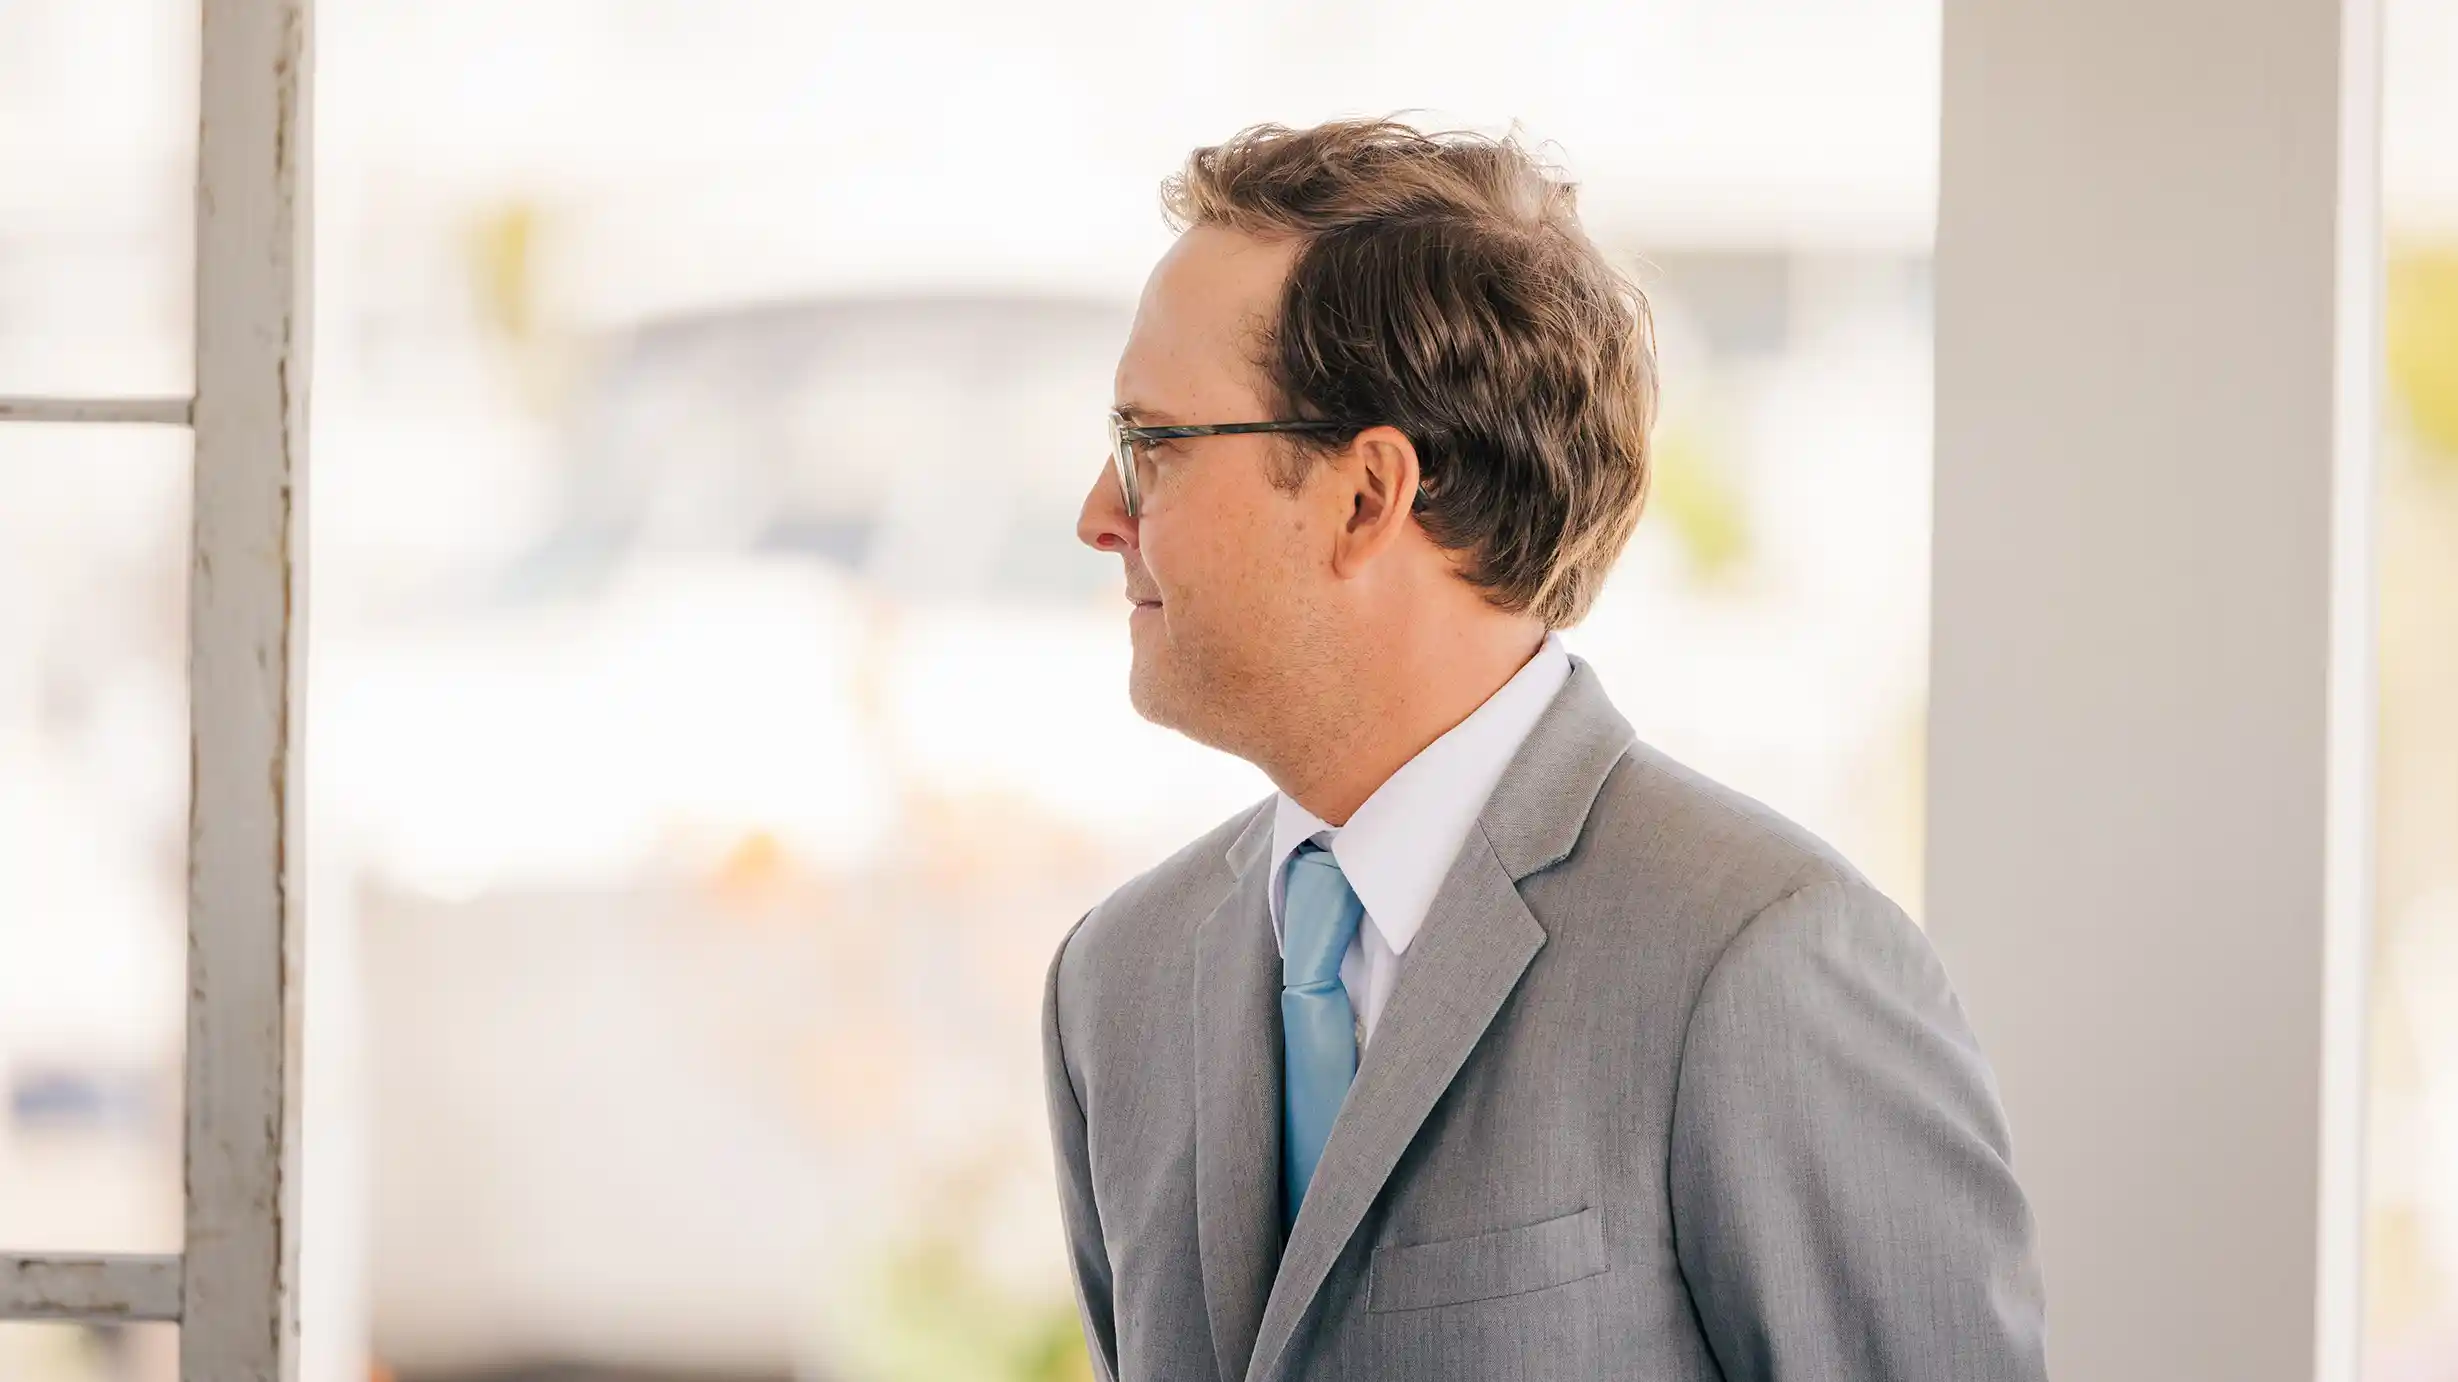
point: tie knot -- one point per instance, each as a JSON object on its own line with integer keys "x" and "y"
{"x": 1319, "y": 917}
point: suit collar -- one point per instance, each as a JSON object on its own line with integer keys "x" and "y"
{"x": 1248, "y": 849}
{"x": 1534, "y": 817}
{"x": 1237, "y": 1101}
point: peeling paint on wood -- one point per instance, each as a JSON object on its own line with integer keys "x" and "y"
{"x": 89, "y": 1289}
{"x": 246, "y": 629}
{"x": 162, "y": 412}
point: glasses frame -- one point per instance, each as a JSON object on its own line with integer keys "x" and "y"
{"x": 1125, "y": 437}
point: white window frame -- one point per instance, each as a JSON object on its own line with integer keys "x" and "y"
{"x": 234, "y": 1290}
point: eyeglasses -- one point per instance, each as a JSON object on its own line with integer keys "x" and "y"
{"x": 1125, "y": 439}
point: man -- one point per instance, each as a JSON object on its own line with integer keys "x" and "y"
{"x": 1497, "y": 1045}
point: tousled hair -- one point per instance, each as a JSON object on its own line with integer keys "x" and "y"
{"x": 1443, "y": 286}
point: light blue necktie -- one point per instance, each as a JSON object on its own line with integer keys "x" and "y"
{"x": 1319, "y": 916}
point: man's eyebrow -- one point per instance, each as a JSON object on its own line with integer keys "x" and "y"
{"x": 1139, "y": 416}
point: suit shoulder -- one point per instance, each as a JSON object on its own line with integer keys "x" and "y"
{"x": 1675, "y": 829}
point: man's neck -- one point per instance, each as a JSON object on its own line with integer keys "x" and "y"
{"x": 1383, "y": 721}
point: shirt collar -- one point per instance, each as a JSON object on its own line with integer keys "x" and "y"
{"x": 1398, "y": 847}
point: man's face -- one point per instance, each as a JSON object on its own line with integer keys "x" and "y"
{"x": 1221, "y": 564}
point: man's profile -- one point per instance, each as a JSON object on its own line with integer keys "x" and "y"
{"x": 1495, "y": 1044}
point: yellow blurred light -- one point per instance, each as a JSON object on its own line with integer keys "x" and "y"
{"x": 2422, "y": 311}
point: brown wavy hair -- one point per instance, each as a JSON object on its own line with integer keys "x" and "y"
{"x": 1445, "y": 287}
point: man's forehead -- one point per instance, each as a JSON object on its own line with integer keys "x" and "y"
{"x": 1218, "y": 265}
{"x": 1201, "y": 311}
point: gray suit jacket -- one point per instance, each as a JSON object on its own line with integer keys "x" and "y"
{"x": 1666, "y": 1091}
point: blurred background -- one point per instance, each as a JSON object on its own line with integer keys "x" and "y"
{"x": 704, "y": 671}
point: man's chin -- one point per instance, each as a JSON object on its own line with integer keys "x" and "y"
{"x": 1162, "y": 693}
{"x": 1167, "y": 702}
{"x": 1149, "y": 692}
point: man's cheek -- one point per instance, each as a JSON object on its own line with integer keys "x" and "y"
{"x": 1167, "y": 564}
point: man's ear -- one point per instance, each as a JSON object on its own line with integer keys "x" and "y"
{"x": 1376, "y": 478}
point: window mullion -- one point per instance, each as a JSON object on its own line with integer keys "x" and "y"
{"x": 247, "y": 588}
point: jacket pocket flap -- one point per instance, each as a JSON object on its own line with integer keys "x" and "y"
{"x": 1508, "y": 1262}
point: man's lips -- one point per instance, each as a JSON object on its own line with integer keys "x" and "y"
{"x": 1144, "y": 601}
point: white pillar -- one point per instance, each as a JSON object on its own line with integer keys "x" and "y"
{"x": 2150, "y": 720}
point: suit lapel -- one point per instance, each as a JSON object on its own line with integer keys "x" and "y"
{"x": 1237, "y": 1101}
{"x": 1477, "y": 940}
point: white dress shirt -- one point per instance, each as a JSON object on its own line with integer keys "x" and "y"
{"x": 1399, "y": 845}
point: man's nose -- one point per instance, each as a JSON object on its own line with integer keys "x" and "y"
{"x": 1103, "y": 525}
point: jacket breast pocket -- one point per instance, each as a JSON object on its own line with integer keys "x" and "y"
{"x": 1509, "y": 1262}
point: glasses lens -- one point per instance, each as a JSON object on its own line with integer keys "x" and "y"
{"x": 1122, "y": 458}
